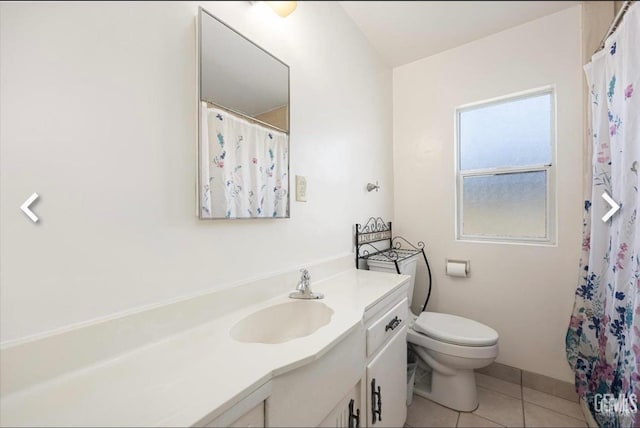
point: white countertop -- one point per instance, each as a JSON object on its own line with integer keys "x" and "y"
{"x": 196, "y": 374}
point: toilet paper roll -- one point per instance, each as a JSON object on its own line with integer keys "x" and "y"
{"x": 457, "y": 269}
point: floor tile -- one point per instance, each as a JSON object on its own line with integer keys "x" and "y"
{"x": 471, "y": 420}
{"x": 499, "y": 385}
{"x": 425, "y": 413}
{"x": 536, "y": 416}
{"x": 500, "y": 408}
{"x": 552, "y": 402}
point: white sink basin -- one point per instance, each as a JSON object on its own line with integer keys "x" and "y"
{"x": 282, "y": 323}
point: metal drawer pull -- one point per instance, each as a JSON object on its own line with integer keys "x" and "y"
{"x": 354, "y": 418}
{"x": 375, "y": 402}
{"x": 393, "y": 324}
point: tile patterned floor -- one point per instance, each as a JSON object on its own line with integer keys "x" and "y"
{"x": 502, "y": 404}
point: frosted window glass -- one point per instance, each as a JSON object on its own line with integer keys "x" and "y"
{"x": 512, "y": 133}
{"x": 512, "y": 205}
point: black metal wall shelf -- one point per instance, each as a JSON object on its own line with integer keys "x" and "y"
{"x": 391, "y": 255}
{"x": 377, "y": 231}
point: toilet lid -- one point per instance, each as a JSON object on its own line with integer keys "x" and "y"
{"x": 454, "y": 329}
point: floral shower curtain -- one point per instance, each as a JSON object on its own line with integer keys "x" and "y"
{"x": 603, "y": 339}
{"x": 244, "y": 168}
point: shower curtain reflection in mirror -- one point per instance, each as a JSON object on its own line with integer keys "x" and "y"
{"x": 244, "y": 167}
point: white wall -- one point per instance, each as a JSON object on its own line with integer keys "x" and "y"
{"x": 524, "y": 292}
{"x": 98, "y": 113}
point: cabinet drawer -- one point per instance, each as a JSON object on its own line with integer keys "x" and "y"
{"x": 386, "y": 326}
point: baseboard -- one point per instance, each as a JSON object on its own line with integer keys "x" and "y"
{"x": 531, "y": 380}
{"x": 503, "y": 371}
{"x": 549, "y": 385}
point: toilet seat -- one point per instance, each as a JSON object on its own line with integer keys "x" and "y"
{"x": 461, "y": 351}
{"x": 455, "y": 330}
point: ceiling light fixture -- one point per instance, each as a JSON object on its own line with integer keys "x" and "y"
{"x": 282, "y": 8}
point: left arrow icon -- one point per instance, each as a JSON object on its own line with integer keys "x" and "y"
{"x": 25, "y": 207}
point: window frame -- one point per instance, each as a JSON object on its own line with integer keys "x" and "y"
{"x": 550, "y": 210}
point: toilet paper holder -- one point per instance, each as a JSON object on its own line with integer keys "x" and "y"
{"x": 454, "y": 267}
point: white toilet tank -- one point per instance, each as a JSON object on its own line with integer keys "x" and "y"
{"x": 407, "y": 266}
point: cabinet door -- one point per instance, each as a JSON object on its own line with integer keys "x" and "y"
{"x": 387, "y": 384}
{"x": 253, "y": 418}
{"x": 347, "y": 413}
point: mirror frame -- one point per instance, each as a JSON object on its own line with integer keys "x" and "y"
{"x": 201, "y": 12}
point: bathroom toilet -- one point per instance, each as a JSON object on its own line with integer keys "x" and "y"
{"x": 452, "y": 346}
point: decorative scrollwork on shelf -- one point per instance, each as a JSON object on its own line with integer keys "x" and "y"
{"x": 397, "y": 244}
{"x": 374, "y": 230}
{"x": 389, "y": 254}
{"x": 373, "y": 225}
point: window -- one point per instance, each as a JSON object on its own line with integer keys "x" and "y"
{"x": 505, "y": 169}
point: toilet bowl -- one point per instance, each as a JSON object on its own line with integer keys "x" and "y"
{"x": 452, "y": 347}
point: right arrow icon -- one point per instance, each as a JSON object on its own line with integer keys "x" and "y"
{"x": 614, "y": 206}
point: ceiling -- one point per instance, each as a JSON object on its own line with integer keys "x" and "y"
{"x": 404, "y": 31}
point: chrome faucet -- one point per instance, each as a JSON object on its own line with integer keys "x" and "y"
{"x": 303, "y": 289}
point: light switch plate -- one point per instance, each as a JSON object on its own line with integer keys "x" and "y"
{"x": 301, "y": 188}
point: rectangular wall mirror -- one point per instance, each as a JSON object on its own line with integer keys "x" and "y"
{"x": 243, "y": 143}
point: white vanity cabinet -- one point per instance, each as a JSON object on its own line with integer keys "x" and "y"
{"x": 306, "y": 396}
{"x": 358, "y": 382}
{"x": 323, "y": 378}
{"x": 386, "y": 374}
